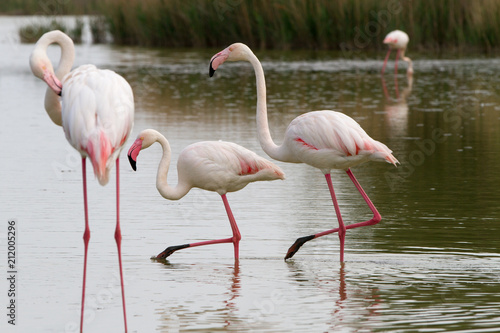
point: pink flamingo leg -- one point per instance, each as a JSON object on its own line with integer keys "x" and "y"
{"x": 396, "y": 63}
{"x": 342, "y": 228}
{"x": 235, "y": 239}
{"x": 385, "y": 61}
{"x": 86, "y": 238}
{"x": 118, "y": 238}
{"x": 376, "y": 219}
{"x": 376, "y": 215}
{"x": 234, "y": 227}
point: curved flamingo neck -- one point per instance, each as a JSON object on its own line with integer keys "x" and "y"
{"x": 167, "y": 191}
{"x": 52, "y": 101}
{"x": 263, "y": 133}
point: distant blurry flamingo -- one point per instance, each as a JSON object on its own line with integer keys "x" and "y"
{"x": 210, "y": 165}
{"x": 398, "y": 40}
{"x": 97, "y": 115}
{"x": 323, "y": 139}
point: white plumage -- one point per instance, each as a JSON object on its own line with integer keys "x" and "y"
{"x": 397, "y": 39}
{"x": 332, "y": 140}
{"x": 97, "y": 115}
{"x": 223, "y": 167}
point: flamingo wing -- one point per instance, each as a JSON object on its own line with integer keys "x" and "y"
{"x": 224, "y": 166}
{"x": 97, "y": 115}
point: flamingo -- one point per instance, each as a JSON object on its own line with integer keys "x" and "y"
{"x": 398, "y": 40}
{"x": 96, "y": 110}
{"x": 215, "y": 166}
{"x": 323, "y": 139}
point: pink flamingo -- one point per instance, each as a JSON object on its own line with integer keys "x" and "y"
{"x": 96, "y": 110}
{"x": 323, "y": 139}
{"x": 210, "y": 165}
{"x": 398, "y": 40}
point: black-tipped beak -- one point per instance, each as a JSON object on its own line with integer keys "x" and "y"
{"x": 133, "y": 163}
{"x": 211, "y": 70}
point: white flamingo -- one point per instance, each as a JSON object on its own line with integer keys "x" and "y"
{"x": 398, "y": 40}
{"x": 323, "y": 139}
{"x": 210, "y": 165}
{"x": 96, "y": 110}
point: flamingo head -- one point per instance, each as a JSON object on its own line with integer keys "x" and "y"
{"x": 42, "y": 69}
{"x": 234, "y": 52}
{"x": 145, "y": 139}
{"x": 389, "y": 40}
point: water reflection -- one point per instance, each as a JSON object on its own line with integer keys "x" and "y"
{"x": 232, "y": 294}
{"x": 396, "y": 110}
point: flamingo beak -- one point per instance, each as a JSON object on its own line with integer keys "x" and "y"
{"x": 211, "y": 70}
{"x": 133, "y": 152}
{"x": 52, "y": 81}
{"x": 218, "y": 60}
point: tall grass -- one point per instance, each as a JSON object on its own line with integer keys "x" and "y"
{"x": 31, "y": 33}
{"x": 348, "y": 25}
{"x": 304, "y": 24}
{"x": 47, "y": 7}
{"x": 98, "y": 28}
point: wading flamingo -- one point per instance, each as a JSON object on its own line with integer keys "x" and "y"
{"x": 210, "y": 165}
{"x": 96, "y": 110}
{"x": 323, "y": 139}
{"x": 398, "y": 40}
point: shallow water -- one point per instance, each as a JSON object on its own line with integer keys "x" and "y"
{"x": 431, "y": 265}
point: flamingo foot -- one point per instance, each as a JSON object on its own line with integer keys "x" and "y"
{"x": 296, "y": 246}
{"x": 169, "y": 250}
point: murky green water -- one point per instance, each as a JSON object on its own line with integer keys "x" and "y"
{"x": 431, "y": 265}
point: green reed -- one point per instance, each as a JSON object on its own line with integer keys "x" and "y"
{"x": 350, "y": 25}
{"x": 347, "y": 25}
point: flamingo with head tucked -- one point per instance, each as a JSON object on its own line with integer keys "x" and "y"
{"x": 96, "y": 110}
{"x": 398, "y": 40}
{"x": 323, "y": 139}
{"x": 215, "y": 166}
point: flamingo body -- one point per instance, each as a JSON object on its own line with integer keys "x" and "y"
{"x": 323, "y": 139}
{"x": 223, "y": 167}
{"x": 97, "y": 115}
{"x": 332, "y": 140}
{"x": 215, "y": 166}
{"x": 96, "y": 110}
{"x": 397, "y": 39}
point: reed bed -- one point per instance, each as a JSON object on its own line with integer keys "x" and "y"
{"x": 97, "y": 24}
{"x": 47, "y": 7}
{"x": 348, "y": 25}
{"x": 31, "y": 33}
